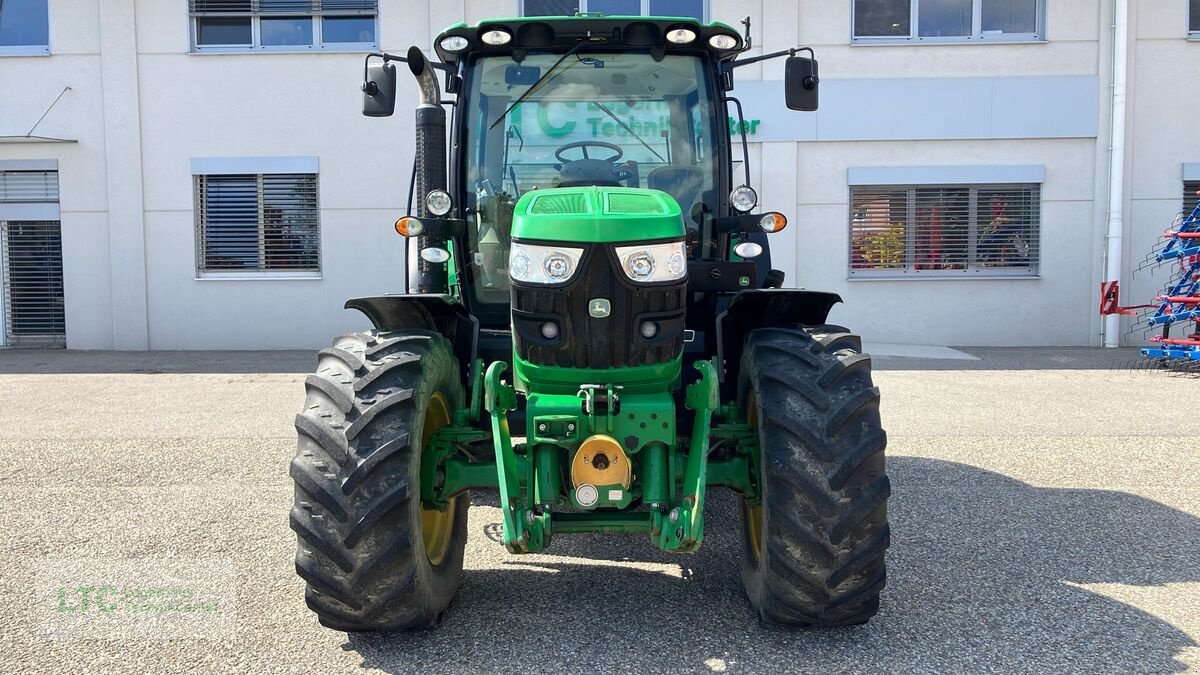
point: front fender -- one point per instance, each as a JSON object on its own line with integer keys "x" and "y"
{"x": 436, "y": 312}
{"x": 767, "y": 308}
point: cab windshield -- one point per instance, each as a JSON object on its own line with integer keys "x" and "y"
{"x": 621, "y": 119}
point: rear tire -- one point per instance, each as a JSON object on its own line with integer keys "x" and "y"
{"x": 813, "y": 551}
{"x": 372, "y": 557}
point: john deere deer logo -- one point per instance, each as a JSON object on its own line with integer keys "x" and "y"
{"x": 599, "y": 308}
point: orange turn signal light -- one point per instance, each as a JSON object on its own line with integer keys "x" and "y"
{"x": 772, "y": 222}
{"x": 409, "y": 226}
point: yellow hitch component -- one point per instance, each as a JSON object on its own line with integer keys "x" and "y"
{"x": 601, "y": 461}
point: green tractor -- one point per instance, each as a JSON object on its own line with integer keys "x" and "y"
{"x": 600, "y": 339}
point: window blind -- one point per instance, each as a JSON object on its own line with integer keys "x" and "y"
{"x": 257, "y": 222}
{"x": 282, "y": 6}
{"x": 945, "y": 230}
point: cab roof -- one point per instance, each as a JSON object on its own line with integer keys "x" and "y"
{"x": 549, "y": 32}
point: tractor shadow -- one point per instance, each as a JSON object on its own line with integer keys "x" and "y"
{"x": 984, "y": 572}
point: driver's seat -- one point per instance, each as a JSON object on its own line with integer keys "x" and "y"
{"x": 585, "y": 172}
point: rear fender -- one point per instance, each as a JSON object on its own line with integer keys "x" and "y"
{"x": 766, "y": 308}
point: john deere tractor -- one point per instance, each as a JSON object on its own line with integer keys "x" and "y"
{"x": 592, "y": 329}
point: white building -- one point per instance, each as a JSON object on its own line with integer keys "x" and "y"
{"x": 933, "y": 112}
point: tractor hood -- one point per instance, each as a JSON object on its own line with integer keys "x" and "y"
{"x": 596, "y": 215}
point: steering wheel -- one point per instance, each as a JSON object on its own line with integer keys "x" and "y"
{"x": 584, "y": 145}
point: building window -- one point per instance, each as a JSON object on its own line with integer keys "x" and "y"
{"x": 31, "y": 271}
{"x": 24, "y": 27}
{"x": 1191, "y": 195}
{"x": 1194, "y": 18}
{"x": 945, "y": 230}
{"x": 283, "y": 25}
{"x": 883, "y": 21}
{"x": 689, "y": 8}
{"x": 257, "y": 223}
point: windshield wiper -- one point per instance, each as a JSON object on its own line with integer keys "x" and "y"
{"x": 631, "y": 131}
{"x": 537, "y": 85}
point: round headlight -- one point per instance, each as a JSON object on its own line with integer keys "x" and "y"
{"x": 518, "y": 266}
{"x": 681, "y": 36}
{"x": 549, "y": 330}
{"x": 438, "y": 202}
{"x": 747, "y": 250}
{"x": 454, "y": 43}
{"x": 640, "y": 266}
{"x": 676, "y": 264}
{"x": 558, "y": 266}
{"x": 496, "y": 37}
{"x": 435, "y": 255}
{"x": 743, "y": 198}
{"x": 722, "y": 42}
{"x": 649, "y": 329}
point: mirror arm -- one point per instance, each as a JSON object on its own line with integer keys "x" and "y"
{"x": 444, "y": 67}
{"x": 412, "y": 188}
{"x": 730, "y": 65}
{"x": 377, "y": 55}
{"x": 742, "y": 131}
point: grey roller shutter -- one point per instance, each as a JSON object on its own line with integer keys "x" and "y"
{"x": 32, "y": 271}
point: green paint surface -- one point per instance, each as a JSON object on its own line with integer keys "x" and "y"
{"x": 597, "y": 215}
{"x": 531, "y": 377}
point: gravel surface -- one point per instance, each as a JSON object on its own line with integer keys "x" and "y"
{"x": 1045, "y": 517}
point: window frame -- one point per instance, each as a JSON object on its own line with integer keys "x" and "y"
{"x": 976, "y": 37}
{"x": 705, "y": 9}
{"x": 200, "y": 241}
{"x": 1191, "y": 195}
{"x": 32, "y": 50}
{"x": 972, "y": 268}
{"x": 256, "y": 16}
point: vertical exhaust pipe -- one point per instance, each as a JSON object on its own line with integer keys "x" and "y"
{"x": 431, "y": 164}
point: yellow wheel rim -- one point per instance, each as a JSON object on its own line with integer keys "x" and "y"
{"x": 755, "y": 528}
{"x": 437, "y": 527}
{"x": 754, "y": 514}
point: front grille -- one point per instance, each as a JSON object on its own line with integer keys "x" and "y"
{"x": 587, "y": 342}
{"x": 571, "y": 203}
{"x": 620, "y": 203}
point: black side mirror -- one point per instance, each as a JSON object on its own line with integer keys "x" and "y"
{"x": 379, "y": 91}
{"x": 800, "y": 83}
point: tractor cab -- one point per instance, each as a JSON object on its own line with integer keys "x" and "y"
{"x": 636, "y": 103}
{"x": 589, "y": 101}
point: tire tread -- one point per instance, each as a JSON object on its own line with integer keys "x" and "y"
{"x": 825, "y": 487}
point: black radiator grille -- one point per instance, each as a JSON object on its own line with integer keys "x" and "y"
{"x": 587, "y": 342}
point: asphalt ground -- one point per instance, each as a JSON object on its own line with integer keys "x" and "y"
{"x": 1045, "y": 518}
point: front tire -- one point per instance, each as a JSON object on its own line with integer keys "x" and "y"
{"x": 813, "y": 549}
{"x": 372, "y": 557}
